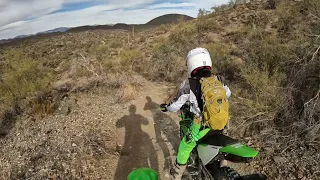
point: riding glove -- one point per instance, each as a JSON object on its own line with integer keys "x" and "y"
{"x": 163, "y": 107}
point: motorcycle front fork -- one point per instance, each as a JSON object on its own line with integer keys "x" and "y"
{"x": 198, "y": 171}
{"x": 193, "y": 165}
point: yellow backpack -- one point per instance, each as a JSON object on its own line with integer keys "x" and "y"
{"x": 215, "y": 103}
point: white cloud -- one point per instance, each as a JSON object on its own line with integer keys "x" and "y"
{"x": 109, "y": 13}
{"x": 12, "y": 25}
{"x": 17, "y": 10}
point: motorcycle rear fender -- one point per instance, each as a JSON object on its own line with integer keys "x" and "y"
{"x": 239, "y": 150}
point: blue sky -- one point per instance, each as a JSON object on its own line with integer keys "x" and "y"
{"x": 19, "y": 17}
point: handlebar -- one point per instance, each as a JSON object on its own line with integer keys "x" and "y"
{"x": 185, "y": 109}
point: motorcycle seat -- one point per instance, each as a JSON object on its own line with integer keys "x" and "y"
{"x": 212, "y": 138}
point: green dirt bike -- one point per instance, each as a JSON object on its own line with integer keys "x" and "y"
{"x": 205, "y": 160}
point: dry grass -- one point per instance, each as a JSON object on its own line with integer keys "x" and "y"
{"x": 126, "y": 93}
{"x": 263, "y": 87}
{"x": 128, "y": 58}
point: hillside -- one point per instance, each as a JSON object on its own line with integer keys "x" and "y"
{"x": 66, "y": 101}
{"x": 169, "y": 19}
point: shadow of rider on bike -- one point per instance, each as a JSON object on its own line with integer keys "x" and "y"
{"x": 165, "y": 126}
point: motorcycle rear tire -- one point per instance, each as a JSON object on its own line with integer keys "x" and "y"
{"x": 226, "y": 173}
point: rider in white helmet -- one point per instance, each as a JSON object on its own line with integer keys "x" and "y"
{"x": 199, "y": 65}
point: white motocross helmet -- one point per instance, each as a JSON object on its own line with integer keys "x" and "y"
{"x": 197, "y": 58}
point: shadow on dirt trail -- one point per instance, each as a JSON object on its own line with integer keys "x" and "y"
{"x": 138, "y": 150}
{"x": 164, "y": 124}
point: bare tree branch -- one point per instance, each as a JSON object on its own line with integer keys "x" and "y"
{"x": 88, "y": 66}
{"x": 314, "y": 16}
{"x": 312, "y": 99}
{"x": 314, "y": 54}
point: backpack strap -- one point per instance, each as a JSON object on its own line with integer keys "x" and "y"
{"x": 221, "y": 79}
{"x": 195, "y": 87}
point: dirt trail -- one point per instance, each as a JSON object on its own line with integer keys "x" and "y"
{"x": 148, "y": 136}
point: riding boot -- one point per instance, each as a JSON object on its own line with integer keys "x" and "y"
{"x": 177, "y": 171}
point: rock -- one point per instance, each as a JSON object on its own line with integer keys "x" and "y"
{"x": 113, "y": 53}
{"x": 279, "y": 159}
{"x": 118, "y": 148}
{"x": 300, "y": 173}
{"x": 268, "y": 150}
{"x": 74, "y": 145}
{"x": 65, "y": 110}
{"x": 66, "y": 106}
{"x": 63, "y": 85}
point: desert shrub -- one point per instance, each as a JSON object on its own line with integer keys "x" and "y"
{"x": 164, "y": 28}
{"x": 116, "y": 43}
{"x": 142, "y": 39}
{"x": 21, "y": 77}
{"x": 82, "y": 71}
{"x": 263, "y": 86}
{"x": 168, "y": 58}
{"x": 203, "y": 12}
{"x": 127, "y": 60}
{"x": 166, "y": 64}
{"x": 126, "y": 93}
{"x": 128, "y": 57}
{"x": 102, "y": 48}
{"x": 222, "y": 62}
{"x": 267, "y": 51}
{"x": 184, "y": 37}
{"x": 44, "y": 103}
{"x": 259, "y": 19}
{"x": 207, "y": 24}
{"x": 288, "y": 17}
{"x": 99, "y": 51}
{"x": 219, "y": 56}
{"x": 217, "y": 9}
{"x": 312, "y": 7}
{"x": 110, "y": 65}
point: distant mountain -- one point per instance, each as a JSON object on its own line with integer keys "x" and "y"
{"x": 60, "y": 29}
{"x": 165, "y": 19}
{"x": 21, "y": 36}
{"x": 169, "y": 18}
